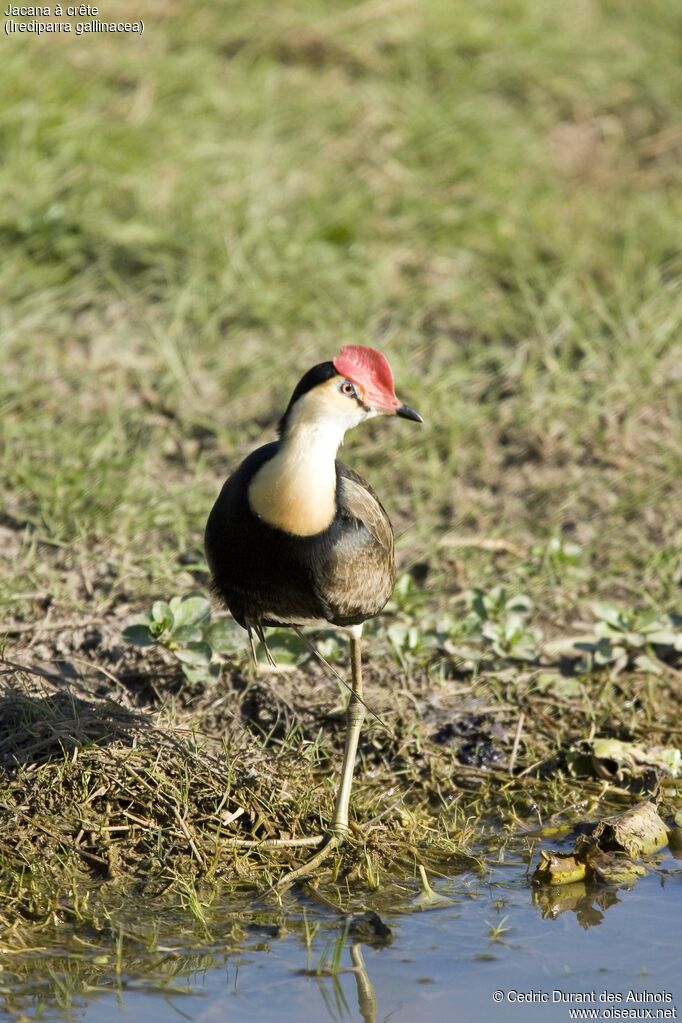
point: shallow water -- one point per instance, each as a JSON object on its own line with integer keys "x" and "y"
{"x": 442, "y": 964}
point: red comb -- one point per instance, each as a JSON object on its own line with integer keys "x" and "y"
{"x": 368, "y": 368}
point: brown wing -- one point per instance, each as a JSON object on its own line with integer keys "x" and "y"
{"x": 360, "y": 574}
{"x": 363, "y": 504}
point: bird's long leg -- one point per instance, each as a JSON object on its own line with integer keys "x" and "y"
{"x": 261, "y": 635}
{"x": 252, "y": 645}
{"x": 333, "y": 672}
{"x": 355, "y": 714}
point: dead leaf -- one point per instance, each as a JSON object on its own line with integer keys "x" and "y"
{"x": 628, "y": 756}
{"x": 637, "y": 832}
{"x": 608, "y": 853}
{"x": 613, "y": 867}
{"x": 558, "y": 868}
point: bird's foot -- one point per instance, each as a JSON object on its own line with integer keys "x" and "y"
{"x": 334, "y": 840}
{"x": 274, "y": 843}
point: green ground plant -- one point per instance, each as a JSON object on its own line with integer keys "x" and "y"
{"x": 183, "y": 626}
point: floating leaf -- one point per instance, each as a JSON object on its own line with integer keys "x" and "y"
{"x": 637, "y": 832}
{"x": 558, "y": 868}
{"x": 608, "y": 852}
{"x": 614, "y": 867}
{"x": 428, "y": 899}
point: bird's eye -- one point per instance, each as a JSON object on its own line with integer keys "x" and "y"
{"x": 348, "y": 388}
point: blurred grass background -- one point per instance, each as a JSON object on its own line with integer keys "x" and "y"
{"x": 489, "y": 193}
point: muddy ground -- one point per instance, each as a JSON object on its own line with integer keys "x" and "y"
{"x": 118, "y": 773}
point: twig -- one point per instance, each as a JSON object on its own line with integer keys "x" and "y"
{"x": 15, "y": 630}
{"x": 332, "y": 841}
{"x": 484, "y": 543}
{"x": 517, "y": 740}
{"x": 185, "y": 831}
{"x": 32, "y": 670}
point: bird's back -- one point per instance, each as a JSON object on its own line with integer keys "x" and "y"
{"x": 342, "y": 575}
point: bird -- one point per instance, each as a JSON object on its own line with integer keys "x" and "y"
{"x": 297, "y": 538}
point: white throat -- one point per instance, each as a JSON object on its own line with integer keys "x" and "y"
{"x": 296, "y": 490}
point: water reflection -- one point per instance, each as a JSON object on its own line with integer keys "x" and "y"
{"x": 64, "y": 982}
{"x": 257, "y": 969}
{"x": 367, "y": 999}
{"x": 339, "y": 1009}
{"x": 588, "y": 904}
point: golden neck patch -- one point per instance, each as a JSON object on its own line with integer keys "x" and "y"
{"x": 296, "y": 490}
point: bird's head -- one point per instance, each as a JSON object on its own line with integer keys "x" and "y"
{"x": 354, "y": 386}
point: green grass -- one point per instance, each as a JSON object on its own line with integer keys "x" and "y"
{"x": 192, "y": 218}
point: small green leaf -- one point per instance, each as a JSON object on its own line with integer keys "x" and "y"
{"x": 209, "y": 673}
{"x": 139, "y": 634}
{"x": 195, "y": 654}
{"x": 162, "y": 616}
{"x": 478, "y": 605}
{"x": 520, "y": 605}
{"x": 605, "y": 631}
{"x": 663, "y": 637}
{"x": 604, "y": 653}
{"x": 397, "y": 635}
{"x": 188, "y": 634}
{"x": 224, "y": 635}
{"x": 491, "y": 631}
{"x": 329, "y": 648}
{"x": 648, "y": 664}
{"x": 609, "y": 614}
{"x": 190, "y": 611}
{"x": 286, "y": 647}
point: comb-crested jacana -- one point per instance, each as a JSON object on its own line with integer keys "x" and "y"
{"x": 298, "y": 538}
